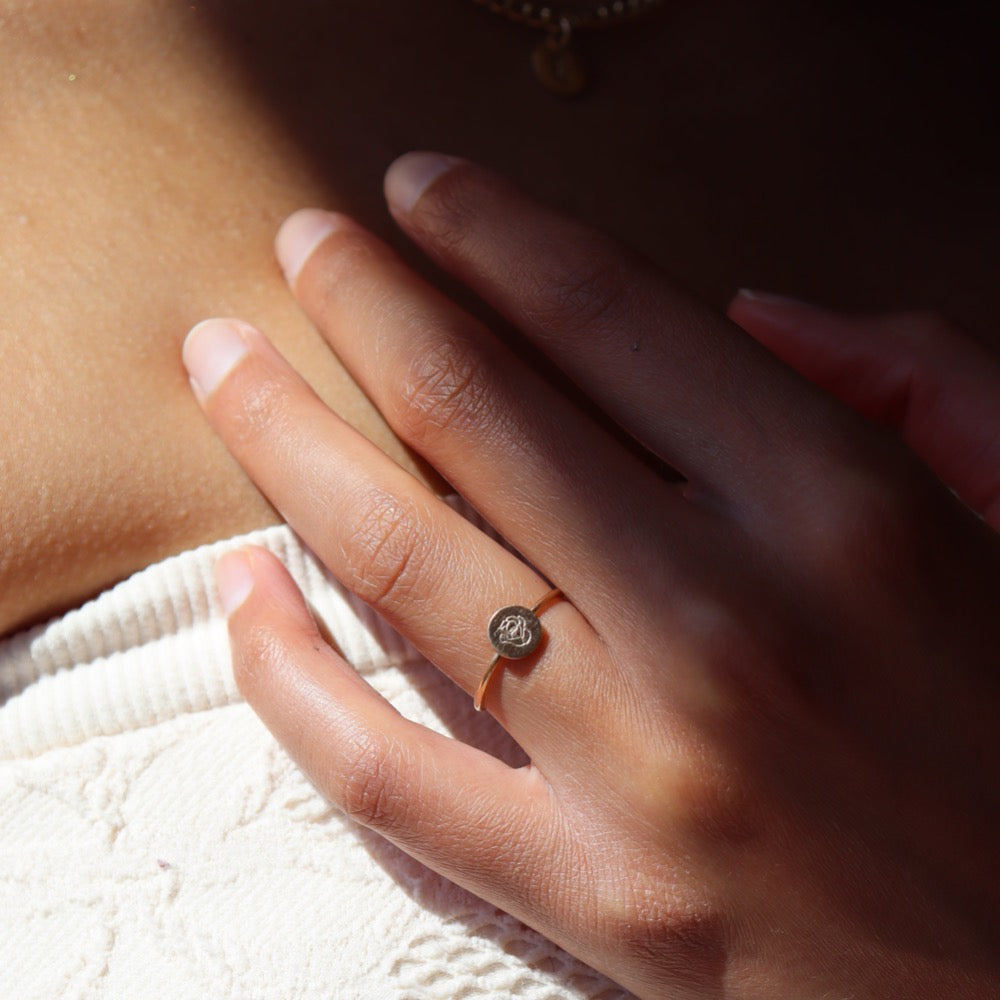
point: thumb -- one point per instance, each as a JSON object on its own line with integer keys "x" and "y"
{"x": 914, "y": 371}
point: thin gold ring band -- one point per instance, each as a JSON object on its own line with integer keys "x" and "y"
{"x": 514, "y": 632}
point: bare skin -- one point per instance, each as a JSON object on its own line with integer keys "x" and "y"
{"x": 150, "y": 149}
{"x": 806, "y": 818}
{"x": 762, "y": 733}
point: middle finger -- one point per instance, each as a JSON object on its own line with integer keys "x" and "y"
{"x": 553, "y": 482}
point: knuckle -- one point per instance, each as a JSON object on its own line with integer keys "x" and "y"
{"x": 386, "y": 549}
{"x": 681, "y": 937}
{"x": 871, "y": 520}
{"x": 713, "y": 803}
{"x": 691, "y": 786}
{"x": 449, "y": 389}
{"x": 731, "y": 643}
{"x": 587, "y": 288}
{"x": 372, "y": 793}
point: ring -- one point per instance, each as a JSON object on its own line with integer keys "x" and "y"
{"x": 514, "y": 632}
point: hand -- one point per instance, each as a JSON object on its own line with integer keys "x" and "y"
{"x": 762, "y": 729}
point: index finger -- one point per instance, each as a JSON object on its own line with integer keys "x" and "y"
{"x": 681, "y": 378}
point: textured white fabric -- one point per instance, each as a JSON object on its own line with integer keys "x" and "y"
{"x": 155, "y": 841}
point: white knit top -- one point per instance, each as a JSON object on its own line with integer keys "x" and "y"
{"x": 155, "y": 841}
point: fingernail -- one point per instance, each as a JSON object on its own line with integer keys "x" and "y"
{"x": 234, "y": 580}
{"x": 211, "y": 350}
{"x": 411, "y": 175}
{"x": 299, "y": 236}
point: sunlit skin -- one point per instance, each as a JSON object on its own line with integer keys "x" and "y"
{"x": 762, "y": 724}
{"x": 151, "y": 149}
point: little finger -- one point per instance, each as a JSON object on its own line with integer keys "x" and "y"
{"x": 477, "y": 821}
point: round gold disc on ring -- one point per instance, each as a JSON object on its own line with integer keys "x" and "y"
{"x": 514, "y": 632}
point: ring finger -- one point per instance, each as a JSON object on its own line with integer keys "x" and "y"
{"x": 431, "y": 573}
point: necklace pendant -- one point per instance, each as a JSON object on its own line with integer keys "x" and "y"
{"x": 559, "y": 68}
